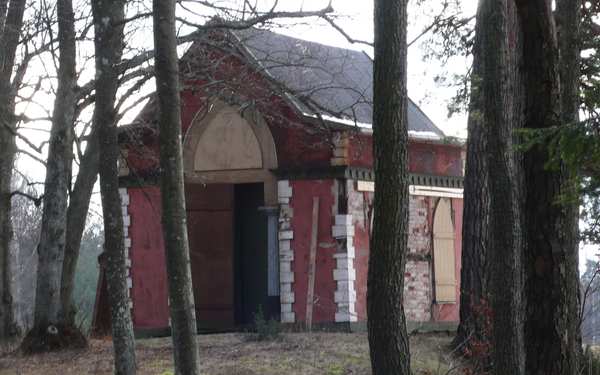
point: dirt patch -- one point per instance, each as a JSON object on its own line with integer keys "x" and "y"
{"x": 234, "y": 354}
{"x": 53, "y": 338}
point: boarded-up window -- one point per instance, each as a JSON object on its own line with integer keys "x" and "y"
{"x": 228, "y": 142}
{"x": 443, "y": 253}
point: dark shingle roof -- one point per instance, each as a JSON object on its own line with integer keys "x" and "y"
{"x": 339, "y": 82}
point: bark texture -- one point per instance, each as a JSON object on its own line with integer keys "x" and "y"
{"x": 9, "y": 40}
{"x": 183, "y": 317}
{"x": 388, "y": 339}
{"x": 474, "y": 327}
{"x": 3, "y": 13}
{"x": 506, "y": 241}
{"x": 108, "y": 41}
{"x": 79, "y": 203}
{"x": 57, "y": 184}
{"x": 551, "y": 256}
{"x": 568, "y": 23}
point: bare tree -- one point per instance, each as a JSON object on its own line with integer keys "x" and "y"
{"x": 79, "y": 202}
{"x": 179, "y": 274}
{"x": 48, "y": 331}
{"x": 108, "y": 40}
{"x": 26, "y": 216}
{"x": 9, "y": 39}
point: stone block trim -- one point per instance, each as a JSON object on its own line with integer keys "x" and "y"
{"x": 344, "y": 274}
{"x": 286, "y": 253}
{"x": 341, "y": 143}
{"x": 127, "y": 240}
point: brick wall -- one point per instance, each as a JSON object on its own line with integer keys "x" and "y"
{"x": 417, "y": 291}
{"x": 417, "y": 277}
{"x": 419, "y": 237}
{"x": 418, "y": 281}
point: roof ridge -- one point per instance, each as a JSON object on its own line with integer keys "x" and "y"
{"x": 255, "y": 29}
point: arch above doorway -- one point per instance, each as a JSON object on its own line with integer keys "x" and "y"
{"x": 230, "y": 146}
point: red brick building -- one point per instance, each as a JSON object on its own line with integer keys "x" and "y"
{"x": 274, "y": 129}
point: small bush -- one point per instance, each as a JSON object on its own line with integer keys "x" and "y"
{"x": 264, "y": 329}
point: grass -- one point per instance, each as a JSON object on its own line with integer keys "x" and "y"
{"x": 234, "y": 354}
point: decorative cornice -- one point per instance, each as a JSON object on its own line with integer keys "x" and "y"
{"x": 152, "y": 178}
{"x": 365, "y": 174}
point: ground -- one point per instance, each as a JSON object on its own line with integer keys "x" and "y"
{"x": 237, "y": 354}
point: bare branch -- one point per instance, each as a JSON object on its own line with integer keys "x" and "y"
{"x": 36, "y": 200}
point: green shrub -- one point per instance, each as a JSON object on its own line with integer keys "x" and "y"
{"x": 264, "y": 329}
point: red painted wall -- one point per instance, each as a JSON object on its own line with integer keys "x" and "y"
{"x": 148, "y": 270}
{"x": 435, "y": 159}
{"x": 298, "y": 143}
{"x": 301, "y": 202}
{"x": 423, "y": 157}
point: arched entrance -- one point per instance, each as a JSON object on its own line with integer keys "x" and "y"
{"x": 228, "y": 158}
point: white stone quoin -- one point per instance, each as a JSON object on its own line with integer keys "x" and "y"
{"x": 344, "y": 273}
{"x": 127, "y": 239}
{"x": 286, "y": 253}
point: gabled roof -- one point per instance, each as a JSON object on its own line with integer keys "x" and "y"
{"x": 339, "y": 82}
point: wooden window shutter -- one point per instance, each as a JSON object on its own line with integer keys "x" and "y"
{"x": 443, "y": 253}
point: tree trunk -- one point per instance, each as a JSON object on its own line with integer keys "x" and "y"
{"x": 551, "y": 275}
{"x": 9, "y": 41}
{"x": 388, "y": 340}
{"x": 474, "y": 328}
{"x": 506, "y": 240}
{"x": 568, "y": 22}
{"x": 183, "y": 317}
{"x": 3, "y": 13}
{"x": 79, "y": 204}
{"x": 57, "y": 184}
{"x": 108, "y": 40}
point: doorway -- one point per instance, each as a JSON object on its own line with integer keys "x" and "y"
{"x": 251, "y": 255}
{"x": 229, "y": 254}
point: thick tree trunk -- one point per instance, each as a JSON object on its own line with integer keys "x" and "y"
{"x": 9, "y": 41}
{"x": 568, "y": 22}
{"x": 551, "y": 275}
{"x": 183, "y": 317}
{"x": 108, "y": 27}
{"x": 79, "y": 203}
{"x": 3, "y": 13}
{"x": 57, "y": 184}
{"x": 506, "y": 240}
{"x": 474, "y": 328}
{"x": 388, "y": 340}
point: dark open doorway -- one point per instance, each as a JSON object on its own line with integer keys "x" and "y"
{"x": 251, "y": 253}
{"x": 229, "y": 254}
